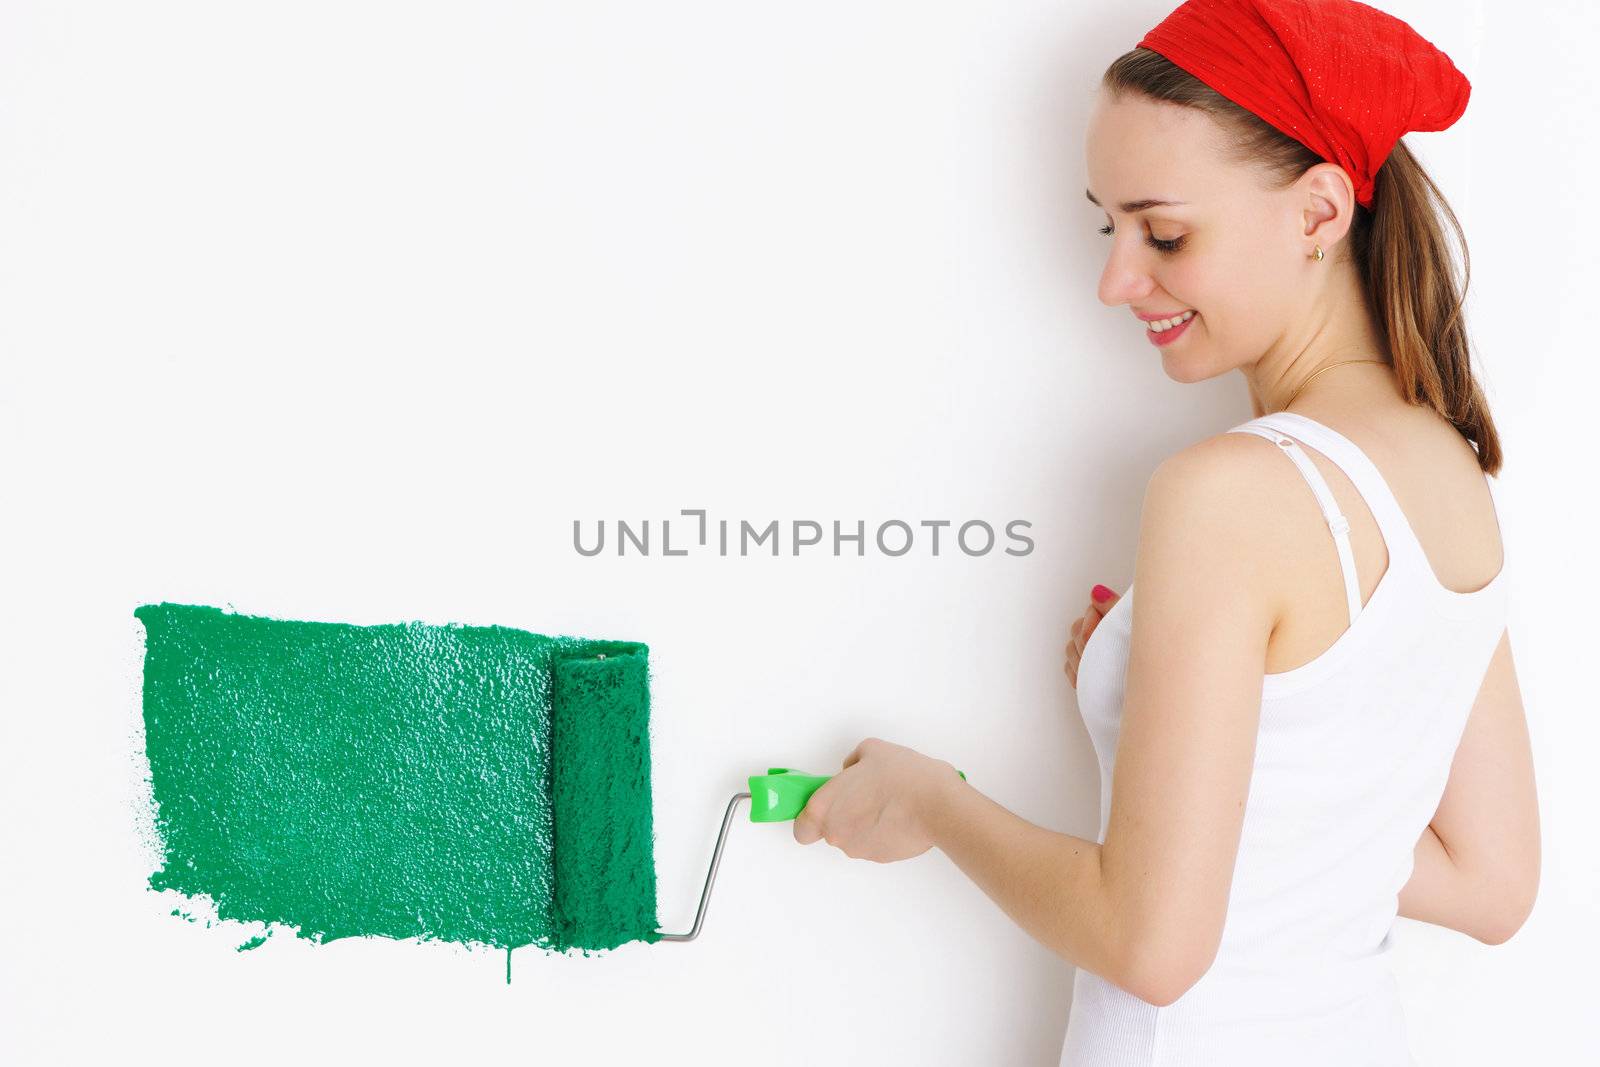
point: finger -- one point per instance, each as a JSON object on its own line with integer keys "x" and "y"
{"x": 806, "y": 831}
{"x": 812, "y": 822}
{"x": 1096, "y": 613}
{"x": 855, "y": 753}
{"x": 809, "y": 824}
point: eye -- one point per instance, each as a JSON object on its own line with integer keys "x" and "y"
{"x": 1155, "y": 242}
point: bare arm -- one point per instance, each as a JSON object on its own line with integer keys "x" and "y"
{"x": 1440, "y": 893}
{"x": 1145, "y": 908}
{"x": 1477, "y": 863}
{"x": 1048, "y": 883}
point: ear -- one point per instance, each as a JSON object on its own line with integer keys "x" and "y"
{"x": 1330, "y": 203}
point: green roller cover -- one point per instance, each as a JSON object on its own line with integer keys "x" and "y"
{"x": 604, "y": 856}
{"x": 476, "y": 784}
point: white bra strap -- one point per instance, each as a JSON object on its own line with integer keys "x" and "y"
{"x": 1330, "y": 508}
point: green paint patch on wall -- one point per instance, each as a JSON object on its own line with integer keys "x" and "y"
{"x": 474, "y": 784}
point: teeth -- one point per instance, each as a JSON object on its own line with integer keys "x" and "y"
{"x": 1166, "y": 324}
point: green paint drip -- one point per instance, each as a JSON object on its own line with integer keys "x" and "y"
{"x": 475, "y": 784}
{"x": 254, "y": 942}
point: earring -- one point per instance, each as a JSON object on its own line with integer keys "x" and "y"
{"x": 1317, "y": 255}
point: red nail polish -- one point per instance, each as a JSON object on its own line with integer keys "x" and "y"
{"x": 1100, "y": 593}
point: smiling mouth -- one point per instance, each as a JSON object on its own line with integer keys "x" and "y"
{"x": 1162, "y": 325}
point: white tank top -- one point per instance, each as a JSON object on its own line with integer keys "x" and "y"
{"x": 1352, "y": 755}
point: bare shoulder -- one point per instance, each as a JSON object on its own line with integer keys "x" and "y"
{"x": 1214, "y": 502}
{"x": 1237, "y": 475}
{"x": 1218, "y": 506}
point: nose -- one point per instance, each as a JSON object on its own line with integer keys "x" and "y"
{"x": 1125, "y": 278}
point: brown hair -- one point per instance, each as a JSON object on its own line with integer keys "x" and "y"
{"x": 1398, "y": 246}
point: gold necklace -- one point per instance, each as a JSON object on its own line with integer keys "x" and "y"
{"x": 1319, "y": 370}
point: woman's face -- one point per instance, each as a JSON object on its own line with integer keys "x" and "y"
{"x": 1234, "y": 251}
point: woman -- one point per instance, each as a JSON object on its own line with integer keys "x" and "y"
{"x": 1309, "y": 721}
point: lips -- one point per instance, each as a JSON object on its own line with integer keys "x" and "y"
{"x": 1171, "y": 333}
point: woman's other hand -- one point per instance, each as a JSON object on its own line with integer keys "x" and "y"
{"x": 1085, "y": 625}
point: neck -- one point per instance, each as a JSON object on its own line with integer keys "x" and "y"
{"x": 1339, "y": 329}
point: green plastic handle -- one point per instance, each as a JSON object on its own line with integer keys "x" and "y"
{"x": 781, "y": 793}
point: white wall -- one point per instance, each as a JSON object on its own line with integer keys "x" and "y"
{"x": 301, "y": 302}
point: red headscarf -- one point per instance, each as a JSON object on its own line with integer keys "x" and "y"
{"x": 1344, "y": 79}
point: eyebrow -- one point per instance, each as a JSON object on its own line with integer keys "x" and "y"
{"x": 1130, "y": 206}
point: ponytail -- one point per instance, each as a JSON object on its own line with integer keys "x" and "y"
{"x": 1410, "y": 280}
